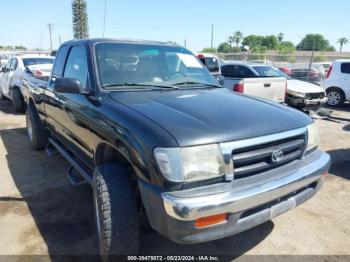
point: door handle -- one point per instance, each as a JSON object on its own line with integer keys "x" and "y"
{"x": 267, "y": 85}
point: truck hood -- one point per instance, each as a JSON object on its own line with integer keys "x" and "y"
{"x": 303, "y": 87}
{"x": 203, "y": 116}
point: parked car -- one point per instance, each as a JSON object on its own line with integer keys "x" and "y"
{"x": 337, "y": 84}
{"x": 16, "y": 69}
{"x": 240, "y": 78}
{"x": 299, "y": 94}
{"x": 212, "y": 62}
{"x": 285, "y": 70}
{"x": 304, "y": 74}
{"x": 202, "y": 161}
{"x": 325, "y": 65}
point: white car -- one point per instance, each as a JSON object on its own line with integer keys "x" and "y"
{"x": 337, "y": 84}
{"x": 17, "y": 68}
{"x": 299, "y": 94}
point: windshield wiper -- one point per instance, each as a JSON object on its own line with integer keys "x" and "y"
{"x": 191, "y": 83}
{"x": 138, "y": 85}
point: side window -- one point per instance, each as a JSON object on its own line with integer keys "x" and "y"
{"x": 8, "y": 65}
{"x": 345, "y": 68}
{"x": 76, "y": 66}
{"x": 60, "y": 60}
{"x": 13, "y": 64}
{"x": 244, "y": 72}
{"x": 228, "y": 70}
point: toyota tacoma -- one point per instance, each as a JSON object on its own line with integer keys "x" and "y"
{"x": 156, "y": 136}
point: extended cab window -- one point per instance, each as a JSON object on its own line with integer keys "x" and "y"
{"x": 76, "y": 66}
{"x": 228, "y": 70}
{"x": 345, "y": 68}
{"x": 243, "y": 72}
{"x": 57, "y": 70}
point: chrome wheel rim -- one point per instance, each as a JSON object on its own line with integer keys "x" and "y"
{"x": 29, "y": 128}
{"x": 333, "y": 98}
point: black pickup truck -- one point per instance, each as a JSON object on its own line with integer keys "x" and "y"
{"x": 153, "y": 133}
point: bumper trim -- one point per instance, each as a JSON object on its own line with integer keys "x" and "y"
{"x": 192, "y": 208}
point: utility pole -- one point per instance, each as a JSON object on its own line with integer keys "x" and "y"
{"x": 50, "y": 31}
{"x": 104, "y": 19}
{"x": 185, "y": 43}
{"x": 212, "y": 38}
{"x": 311, "y": 61}
{"x": 59, "y": 40}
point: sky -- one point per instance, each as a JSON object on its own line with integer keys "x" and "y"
{"x": 24, "y": 22}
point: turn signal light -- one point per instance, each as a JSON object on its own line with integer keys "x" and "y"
{"x": 212, "y": 220}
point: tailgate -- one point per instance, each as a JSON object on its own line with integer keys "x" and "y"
{"x": 271, "y": 88}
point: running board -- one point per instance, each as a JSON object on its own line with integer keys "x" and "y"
{"x": 75, "y": 178}
{"x": 50, "y": 150}
{"x": 71, "y": 160}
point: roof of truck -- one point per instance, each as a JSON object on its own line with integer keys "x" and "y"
{"x": 92, "y": 41}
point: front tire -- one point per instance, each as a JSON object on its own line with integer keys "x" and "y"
{"x": 335, "y": 97}
{"x": 116, "y": 211}
{"x": 37, "y": 134}
{"x": 17, "y": 100}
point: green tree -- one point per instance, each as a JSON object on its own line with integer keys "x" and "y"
{"x": 271, "y": 42}
{"x": 224, "y": 48}
{"x": 209, "y": 50}
{"x": 315, "y": 42}
{"x": 237, "y": 37}
{"x": 280, "y": 37}
{"x": 253, "y": 40}
{"x": 20, "y": 47}
{"x": 80, "y": 19}
{"x": 342, "y": 41}
{"x": 285, "y": 51}
{"x": 230, "y": 41}
{"x": 286, "y": 45}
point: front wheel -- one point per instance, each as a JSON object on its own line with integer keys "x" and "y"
{"x": 37, "y": 134}
{"x": 116, "y": 211}
{"x": 17, "y": 100}
{"x": 335, "y": 97}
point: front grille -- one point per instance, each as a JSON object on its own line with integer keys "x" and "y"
{"x": 315, "y": 95}
{"x": 253, "y": 160}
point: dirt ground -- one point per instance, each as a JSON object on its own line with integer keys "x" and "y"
{"x": 41, "y": 213}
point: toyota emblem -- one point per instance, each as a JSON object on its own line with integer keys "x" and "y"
{"x": 277, "y": 155}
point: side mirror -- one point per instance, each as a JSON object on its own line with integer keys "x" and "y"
{"x": 67, "y": 85}
{"x": 3, "y": 69}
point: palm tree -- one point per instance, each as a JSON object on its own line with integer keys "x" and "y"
{"x": 280, "y": 37}
{"x": 342, "y": 41}
{"x": 237, "y": 37}
{"x": 80, "y": 19}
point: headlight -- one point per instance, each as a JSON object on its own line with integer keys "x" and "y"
{"x": 190, "y": 164}
{"x": 312, "y": 137}
{"x": 297, "y": 94}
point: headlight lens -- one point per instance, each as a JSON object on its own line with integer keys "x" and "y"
{"x": 190, "y": 164}
{"x": 313, "y": 139}
{"x": 297, "y": 94}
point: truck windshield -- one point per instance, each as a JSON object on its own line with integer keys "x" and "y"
{"x": 133, "y": 65}
{"x": 269, "y": 71}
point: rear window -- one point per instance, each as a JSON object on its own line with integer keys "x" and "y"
{"x": 37, "y": 61}
{"x": 345, "y": 68}
{"x": 211, "y": 63}
{"x": 268, "y": 71}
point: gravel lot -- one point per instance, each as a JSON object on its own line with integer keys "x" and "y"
{"x": 41, "y": 213}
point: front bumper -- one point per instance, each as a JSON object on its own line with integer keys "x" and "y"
{"x": 249, "y": 202}
{"x": 305, "y": 104}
